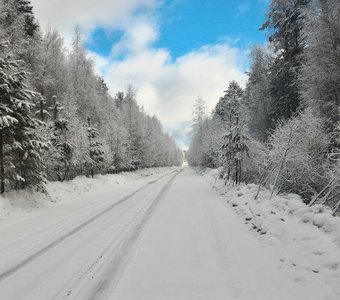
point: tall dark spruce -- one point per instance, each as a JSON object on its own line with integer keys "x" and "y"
{"x": 21, "y": 163}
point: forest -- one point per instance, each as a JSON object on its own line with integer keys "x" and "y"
{"x": 282, "y": 130}
{"x": 57, "y": 117}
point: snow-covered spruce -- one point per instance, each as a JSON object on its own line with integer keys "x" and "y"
{"x": 21, "y": 163}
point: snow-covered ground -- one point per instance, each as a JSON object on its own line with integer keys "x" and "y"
{"x": 306, "y": 239}
{"x": 45, "y": 246}
{"x": 16, "y": 204}
{"x": 165, "y": 235}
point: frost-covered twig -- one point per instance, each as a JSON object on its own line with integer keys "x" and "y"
{"x": 284, "y": 156}
{"x": 321, "y": 192}
{"x": 336, "y": 208}
{"x": 257, "y": 224}
{"x": 262, "y": 180}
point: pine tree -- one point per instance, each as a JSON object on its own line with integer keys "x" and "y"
{"x": 21, "y": 164}
{"x": 21, "y": 31}
{"x": 42, "y": 113}
{"x": 320, "y": 76}
{"x": 25, "y": 8}
{"x": 119, "y": 99}
{"x": 233, "y": 150}
{"x": 257, "y": 94}
{"x": 285, "y": 22}
{"x": 227, "y": 105}
{"x": 62, "y": 149}
{"x": 234, "y": 146}
{"x": 96, "y": 152}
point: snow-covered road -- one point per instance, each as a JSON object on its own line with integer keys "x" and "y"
{"x": 167, "y": 237}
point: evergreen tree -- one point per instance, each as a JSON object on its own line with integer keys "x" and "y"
{"x": 25, "y": 8}
{"x": 119, "y": 99}
{"x": 21, "y": 31}
{"x": 41, "y": 113}
{"x": 285, "y": 21}
{"x": 62, "y": 149}
{"x": 234, "y": 146}
{"x": 95, "y": 148}
{"x": 233, "y": 150}
{"x": 227, "y": 105}
{"x": 257, "y": 94}
{"x": 21, "y": 163}
{"x": 320, "y": 76}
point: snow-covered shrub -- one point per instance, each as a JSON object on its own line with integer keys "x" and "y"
{"x": 298, "y": 155}
{"x": 255, "y": 165}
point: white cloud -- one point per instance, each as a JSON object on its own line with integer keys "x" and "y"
{"x": 169, "y": 88}
{"x": 65, "y": 14}
{"x": 140, "y": 33}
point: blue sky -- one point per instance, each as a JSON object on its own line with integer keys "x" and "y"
{"x": 171, "y": 51}
{"x": 185, "y": 25}
{"x": 191, "y": 24}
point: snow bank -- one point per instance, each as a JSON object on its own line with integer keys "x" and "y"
{"x": 306, "y": 238}
{"x": 25, "y": 201}
{"x": 21, "y": 202}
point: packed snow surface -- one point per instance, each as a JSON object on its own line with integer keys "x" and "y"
{"x": 165, "y": 234}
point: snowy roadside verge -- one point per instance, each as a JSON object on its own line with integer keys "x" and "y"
{"x": 307, "y": 239}
{"x": 20, "y": 203}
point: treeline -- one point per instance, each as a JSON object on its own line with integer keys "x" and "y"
{"x": 282, "y": 130}
{"x": 57, "y": 118}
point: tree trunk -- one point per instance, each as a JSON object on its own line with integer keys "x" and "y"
{"x": 282, "y": 163}
{"x": 2, "y": 168}
{"x": 90, "y": 145}
{"x": 315, "y": 198}
{"x": 55, "y": 108}
{"x": 335, "y": 209}
{"x": 262, "y": 178}
{"x": 41, "y": 108}
{"x": 237, "y": 169}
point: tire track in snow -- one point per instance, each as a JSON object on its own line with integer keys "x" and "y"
{"x": 35, "y": 255}
{"x": 89, "y": 270}
{"x": 110, "y": 277}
